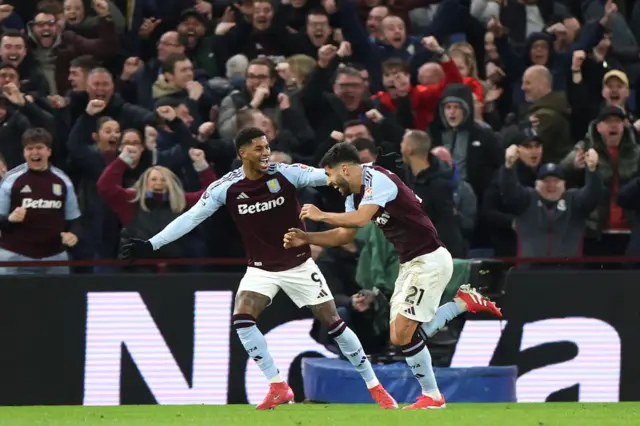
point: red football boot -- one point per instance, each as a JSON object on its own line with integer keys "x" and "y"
{"x": 476, "y": 302}
{"x": 279, "y": 393}
{"x": 424, "y": 402}
{"x": 382, "y": 397}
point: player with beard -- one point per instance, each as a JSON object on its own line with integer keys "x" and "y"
{"x": 261, "y": 197}
{"x": 375, "y": 194}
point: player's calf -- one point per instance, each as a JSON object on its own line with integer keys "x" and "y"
{"x": 352, "y": 349}
{"x": 413, "y": 347}
{"x": 255, "y": 344}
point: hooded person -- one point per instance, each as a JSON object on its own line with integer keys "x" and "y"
{"x": 475, "y": 149}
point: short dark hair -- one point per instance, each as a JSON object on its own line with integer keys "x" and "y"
{"x": 394, "y": 65}
{"x": 132, "y": 130}
{"x": 49, "y": 7}
{"x": 356, "y": 66}
{"x": 86, "y": 62}
{"x": 354, "y": 123}
{"x": 102, "y": 120}
{"x": 348, "y": 71}
{"x": 342, "y": 152}
{"x": 246, "y": 136}
{"x": 169, "y": 64}
{"x": 36, "y": 135}
{"x": 171, "y": 101}
{"x": 363, "y": 144}
{"x": 4, "y": 65}
{"x": 317, "y": 11}
{"x": 264, "y": 62}
{"x": 13, "y": 33}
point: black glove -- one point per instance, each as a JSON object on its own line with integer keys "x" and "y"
{"x": 136, "y": 249}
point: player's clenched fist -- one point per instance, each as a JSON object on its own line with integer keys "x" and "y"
{"x": 295, "y": 238}
{"x": 511, "y": 156}
{"x": 18, "y": 215}
{"x": 309, "y": 211}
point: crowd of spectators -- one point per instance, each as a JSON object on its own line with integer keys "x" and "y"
{"x": 125, "y": 111}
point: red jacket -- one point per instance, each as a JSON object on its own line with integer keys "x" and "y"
{"x": 424, "y": 99}
{"x": 476, "y": 87}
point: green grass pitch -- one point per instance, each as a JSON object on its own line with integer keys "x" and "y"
{"x": 549, "y": 414}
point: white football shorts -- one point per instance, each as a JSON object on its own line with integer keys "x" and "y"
{"x": 420, "y": 284}
{"x": 305, "y": 285}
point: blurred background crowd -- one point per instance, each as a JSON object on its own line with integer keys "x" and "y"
{"x": 132, "y": 105}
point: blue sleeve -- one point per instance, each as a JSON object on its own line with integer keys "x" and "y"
{"x": 348, "y": 204}
{"x": 212, "y": 199}
{"x": 71, "y": 208}
{"x": 5, "y": 196}
{"x": 301, "y": 175}
{"x": 379, "y": 190}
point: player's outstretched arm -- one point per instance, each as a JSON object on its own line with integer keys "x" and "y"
{"x": 332, "y": 238}
{"x": 301, "y": 175}
{"x": 209, "y": 203}
{"x": 352, "y": 219}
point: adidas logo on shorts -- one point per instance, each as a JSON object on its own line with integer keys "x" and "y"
{"x": 322, "y": 294}
{"x": 410, "y": 311}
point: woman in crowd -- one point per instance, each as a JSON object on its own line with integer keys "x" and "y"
{"x": 154, "y": 200}
{"x": 485, "y": 93}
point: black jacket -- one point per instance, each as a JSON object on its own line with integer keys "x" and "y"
{"x": 434, "y": 186}
{"x": 484, "y": 153}
{"x": 495, "y": 215}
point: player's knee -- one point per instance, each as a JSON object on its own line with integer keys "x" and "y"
{"x": 248, "y": 303}
{"x": 400, "y": 339}
{"x": 400, "y": 336}
{"x": 326, "y": 313}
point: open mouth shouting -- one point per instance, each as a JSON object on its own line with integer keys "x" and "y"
{"x": 36, "y": 161}
{"x": 46, "y": 38}
{"x": 264, "y": 163}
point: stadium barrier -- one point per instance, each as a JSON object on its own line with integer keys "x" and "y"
{"x": 336, "y": 381}
{"x": 149, "y": 338}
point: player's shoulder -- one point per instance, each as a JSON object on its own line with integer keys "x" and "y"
{"x": 222, "y": 184}
{"x": 287, "y": 168}
{"x": 376, "y": 175}
{"x": 61, "y": 175}
{"x": 14, "y": 174}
